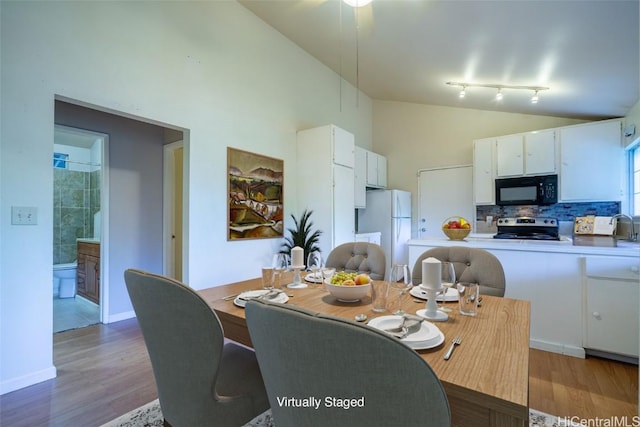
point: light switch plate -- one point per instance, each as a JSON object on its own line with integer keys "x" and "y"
{"x": 24, "y": 215}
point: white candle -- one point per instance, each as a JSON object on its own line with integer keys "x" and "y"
{"x": 431, "y": 273}
{"x": 296, "y": 256}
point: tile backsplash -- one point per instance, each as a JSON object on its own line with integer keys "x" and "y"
{"x": 565, "y": 213}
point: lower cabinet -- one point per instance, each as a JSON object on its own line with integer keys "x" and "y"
{"x": 611, "y": 305}
{"x": 88, "y": 274}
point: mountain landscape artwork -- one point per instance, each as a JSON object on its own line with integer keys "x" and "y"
{"x": 255, "y": 201}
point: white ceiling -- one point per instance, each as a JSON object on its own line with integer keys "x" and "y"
{"x": 585, "y": 51}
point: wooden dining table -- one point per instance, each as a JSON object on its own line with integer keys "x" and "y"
{"x": 487, "y": 377}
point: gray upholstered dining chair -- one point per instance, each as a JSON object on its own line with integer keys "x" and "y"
{"x": 360, "y": 257}
{"x": 201, "y": 380}
{"x": 333, "y": 359}
{"x": 471, "y": 265}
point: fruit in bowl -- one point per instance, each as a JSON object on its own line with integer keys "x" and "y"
{"x": 456, "y": 227}
{"x": 348, "y": 287}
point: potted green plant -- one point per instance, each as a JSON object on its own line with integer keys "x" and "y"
{"x": 302, "y": 235}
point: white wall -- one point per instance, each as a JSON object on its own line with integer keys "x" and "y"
{"x": 211, "y": 68}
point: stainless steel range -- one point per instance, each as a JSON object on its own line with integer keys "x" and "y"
{"x": 527, "y": 228}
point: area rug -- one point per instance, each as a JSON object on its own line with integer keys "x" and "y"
{"x": 150, "y": 415}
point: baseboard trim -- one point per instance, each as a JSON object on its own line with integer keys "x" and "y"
{"x": 619, "y": 357}
{"x": 120, "y": 316}
{"x": 27, "y": 380}
{"x": 553, "y": 347}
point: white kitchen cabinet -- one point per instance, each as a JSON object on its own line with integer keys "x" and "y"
{"x": 509, "y": 160}
{"x": 326, "y": 184}
{"x": 611, "y": 305}
{"x": 360, "y": 178}
{"x": 551, "y": 281}
{"x": 483, "y": 172}
{"x": 540, "y": 152}
{"x": 532, "y": 153}
{"x": 583, "y": 150}
{"x": 376, "y": 170}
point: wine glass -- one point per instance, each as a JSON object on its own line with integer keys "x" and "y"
{"x": 280, "y": 264}
{"x": 400, "y": 279}
{"x": 314, "y": 263}
{"x": 448, "y": 280}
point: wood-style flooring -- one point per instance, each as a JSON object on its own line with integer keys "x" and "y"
{"x": 104, "y": 372}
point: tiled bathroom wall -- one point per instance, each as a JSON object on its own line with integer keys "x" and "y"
{"x": 76, "y": 197}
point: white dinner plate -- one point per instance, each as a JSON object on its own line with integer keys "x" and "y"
{"x": 418, "y": 292}
{"x": 429, "y": 335}
{"x": 240, "y": 302}
{"x": 313, "y": 277}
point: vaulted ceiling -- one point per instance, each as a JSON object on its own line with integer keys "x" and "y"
{"x": 586, "y": 51}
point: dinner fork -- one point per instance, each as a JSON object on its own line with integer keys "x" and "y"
{"x": 456, "y": 341}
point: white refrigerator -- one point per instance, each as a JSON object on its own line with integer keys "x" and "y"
{"x": 389, "y": 212}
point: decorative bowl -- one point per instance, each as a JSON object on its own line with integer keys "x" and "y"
{"x": 456, "y": 227}
{"x": 347, "y": 293}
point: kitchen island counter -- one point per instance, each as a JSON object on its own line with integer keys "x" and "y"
{"x": 565, "y": 245}
{"x": 552, "y": 275}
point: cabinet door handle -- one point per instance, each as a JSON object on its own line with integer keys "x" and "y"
{"x": 596, "y": 315}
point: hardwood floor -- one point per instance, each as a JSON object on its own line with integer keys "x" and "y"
{"x": 586, "y": 388}
{"x": 104, "y": 372}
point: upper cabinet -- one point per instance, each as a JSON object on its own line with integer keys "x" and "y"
{"x": 540, "y": 156}
{"x": 483, "y": 171}
{"x": 532, "y": 153}
{"x": 360, "y": 178}
{"x": 588, "y": 147}
{"x": 376, "y": 170}
{"x": 370, "y": 172}
{"x": 343, "y": 147}
{"x": 588, "y": 159}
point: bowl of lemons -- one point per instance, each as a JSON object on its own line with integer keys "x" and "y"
{"x": 456, "y": 227}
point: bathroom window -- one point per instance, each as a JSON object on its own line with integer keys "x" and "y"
{"x": 60, "y": 160}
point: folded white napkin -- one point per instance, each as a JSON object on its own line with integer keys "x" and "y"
{"x": 431, "y": 273}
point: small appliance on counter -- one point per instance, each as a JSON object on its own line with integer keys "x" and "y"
{"x": 528, "y": 228}
{"x": 598, "y": 225}
{"x": 527, "y": 190}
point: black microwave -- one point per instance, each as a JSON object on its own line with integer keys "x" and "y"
{"x": 527, "y": 190}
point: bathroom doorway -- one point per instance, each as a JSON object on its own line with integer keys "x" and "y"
{"x": 78, "y": 202}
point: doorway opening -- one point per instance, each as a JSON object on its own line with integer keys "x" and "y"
{"x": 131, "y": 201}
{"x": 78, "y": 175}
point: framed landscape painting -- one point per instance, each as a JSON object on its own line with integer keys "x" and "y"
{"x": 255, "y": 201}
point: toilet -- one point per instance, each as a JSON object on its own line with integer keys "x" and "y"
{"x": 64, "y": 280}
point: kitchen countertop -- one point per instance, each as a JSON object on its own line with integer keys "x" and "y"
{"x": 565, "y": 245}
{"x": 88, "y": 240}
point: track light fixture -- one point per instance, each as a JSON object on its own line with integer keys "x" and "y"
{"x": 499, "y": 87}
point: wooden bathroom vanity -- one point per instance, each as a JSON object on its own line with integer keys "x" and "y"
{"x": 88, "y": 275}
